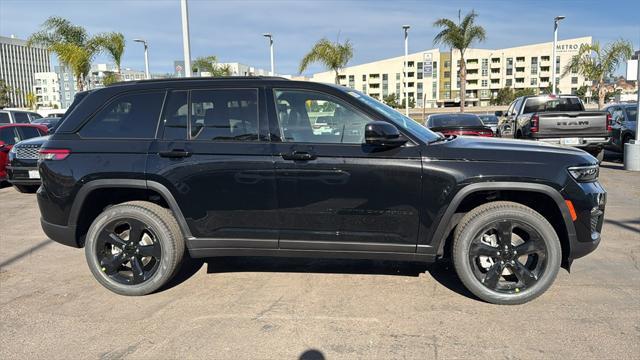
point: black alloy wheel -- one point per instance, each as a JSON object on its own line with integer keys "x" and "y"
{"x": 508, "y": 256}
{"x": 128, "y": 251}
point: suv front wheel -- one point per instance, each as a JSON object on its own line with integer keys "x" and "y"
{"x": 134, "y": 248}
{"x": 506, "y": 253}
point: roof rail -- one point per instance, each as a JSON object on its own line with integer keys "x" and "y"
{"x": 207, "y": 78}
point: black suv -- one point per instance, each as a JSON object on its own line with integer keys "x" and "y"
{"x": 140, "y": 171}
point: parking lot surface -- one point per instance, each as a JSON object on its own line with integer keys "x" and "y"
{"x": 51, "y": 307}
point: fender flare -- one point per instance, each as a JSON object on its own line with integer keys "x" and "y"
{"x": 90, "y": 186}
{"x": 445, "y": 223}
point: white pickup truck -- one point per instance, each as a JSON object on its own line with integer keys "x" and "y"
{"x": 557, "y": 119}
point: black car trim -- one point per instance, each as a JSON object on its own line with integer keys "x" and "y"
{"x": 87, "y": 188}
{"x": 439, "y": 236}
{"x": 214, "y": 252}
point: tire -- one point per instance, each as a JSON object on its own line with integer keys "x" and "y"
{"x": 26, "y": 189}
{"x": 470, "y": 230}
{"x": 111, "y": 259}
{"x": 599, "y": 155}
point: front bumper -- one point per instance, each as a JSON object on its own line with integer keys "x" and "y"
{"x": 23, "y": 175}
{"x": 589, "y": 201}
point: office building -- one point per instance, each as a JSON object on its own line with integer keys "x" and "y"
{"x": 18, "y": 64}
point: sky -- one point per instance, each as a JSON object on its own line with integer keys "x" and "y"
{"x": 232, "y": 30}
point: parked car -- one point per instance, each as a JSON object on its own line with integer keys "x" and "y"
{"x": 10, "y": 116}
{"x": 10, "y": 135}
{"x": 49, "y": 122}
{"x": 625, "y": 117}
{"x": 142, "y": 171}
{"x": 490, "y": 120}
{"x": 458, "y": 124}
{"x": 557, "y": 119}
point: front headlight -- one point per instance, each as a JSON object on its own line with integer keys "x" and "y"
{"x": 13, "y": 150}
{"x": 585, "y": 173}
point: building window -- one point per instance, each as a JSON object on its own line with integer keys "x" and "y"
{"x": 574, "y": 91}
{"x": 484, "y": 83}
{"x": 534, "y": 81}
{"x": 508, "y": 82}
{"x": 364, "y": 88}
{"x": 574, "y": 80}
{"x": 557, "y": 64}
{"x": 434, "y": 90}
{"x": 485, "y": 67}
{"x": 352, "y": 81}
{"x": 447, "y": 74}
{"x": 545, "y": 58}
{"x": 397, "y": 76}
{"x": 534, "y": 66}
{"x": 364, "y": 77}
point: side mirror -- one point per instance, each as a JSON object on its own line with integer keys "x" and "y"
{"x": 382, "y": 133}
{"x": 499, "y": 113}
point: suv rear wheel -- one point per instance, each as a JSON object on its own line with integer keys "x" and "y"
{"x": 134, "y": 248}
{"x": 506, "y": 253}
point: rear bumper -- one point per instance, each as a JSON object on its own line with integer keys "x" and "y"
{"x": 582, "y": 142}
{"x": 63, "y": 234}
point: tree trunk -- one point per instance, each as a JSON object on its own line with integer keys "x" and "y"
{"x": 79, "y": 83}
{"x": 601, "y": 94}
{"x": 337, "y": 78}
{"x": 463, "y": 81}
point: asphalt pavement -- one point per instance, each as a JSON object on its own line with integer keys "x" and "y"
{"x": 274, "y": 308}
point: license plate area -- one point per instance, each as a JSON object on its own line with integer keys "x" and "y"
{"x": 34, "y": 174}
{"x": 570, "y": 141}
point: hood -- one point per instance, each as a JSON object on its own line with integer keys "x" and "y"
{"x": 473, "y": 148}
{"x": 34, "y": 141}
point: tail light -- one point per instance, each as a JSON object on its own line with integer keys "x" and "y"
{"x": 53, "y": 154}
{"x": 609, "y": 122}
{"x": 535, "y": 122}
{"x": 486, "y": 133}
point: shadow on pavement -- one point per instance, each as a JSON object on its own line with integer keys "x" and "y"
{"x": 442, "y": 272}
{"x": 26, "y": 252}
{"x": 625, "y": 224}
{"x": 312, "y": 354}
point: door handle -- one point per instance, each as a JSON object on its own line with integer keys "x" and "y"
{"x": 174, "y": 153}
{"x": 298, "y": 156}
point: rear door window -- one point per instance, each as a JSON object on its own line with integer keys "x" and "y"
{"x": 133, "y": 116}
{"x": 21, "y": 117}
{"x": 27, "y": 132}
{"x": 4, "y": 118}
{"x": 224, "y": 115}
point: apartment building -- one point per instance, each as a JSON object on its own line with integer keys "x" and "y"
{"x": 432, "y": 78}
{"x": 18, "y": 64}
{"x": 47, "y": 90}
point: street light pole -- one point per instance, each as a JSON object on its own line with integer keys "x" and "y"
{"x": 146, "y": 57}
{"x": 556, "y": 21}
{"x": 185, "y": 38}
{"x": 406, "y": 53}
{"x": 273, "y": 66}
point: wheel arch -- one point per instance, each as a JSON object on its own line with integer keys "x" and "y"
{"x": 96, "y": 195}
{"x": 506, "y": 191}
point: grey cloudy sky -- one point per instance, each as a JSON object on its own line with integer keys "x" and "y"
{"x": 232, "y": 30}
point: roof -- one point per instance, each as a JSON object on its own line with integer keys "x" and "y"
{"x": 198, "y": 79}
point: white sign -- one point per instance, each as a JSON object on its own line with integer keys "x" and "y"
{"x": 632, "y": 70}
{"x": 427, "y": 67}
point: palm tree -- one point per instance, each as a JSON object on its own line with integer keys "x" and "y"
{"x": 460, "y": 36}
{"x": 31, "y": 100}
{"x": 596, "y": 63}
{"x": 334, "y": 56}
{"x": 71, "y": 44}
{"x": 113, "y": 43}
{"x": 210, "y": 64}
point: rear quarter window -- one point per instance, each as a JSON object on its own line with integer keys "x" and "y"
{"x": 4, "y": 118}
{"x": 133, "y": 116}
{"x": 21, "y": 117}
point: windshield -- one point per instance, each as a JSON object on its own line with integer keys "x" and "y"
{"x": 398, "y": 119}
{"x": 489, "y": 119}
{"x": 454, "y": 120}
